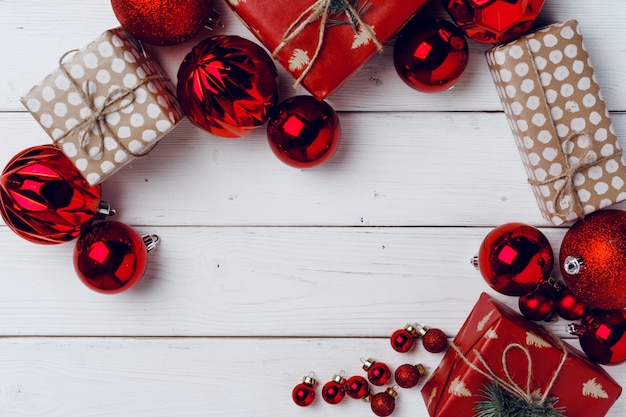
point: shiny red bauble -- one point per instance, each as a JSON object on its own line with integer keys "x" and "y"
{"x": 303, "y": 394}
{"x": 592, "y": 259}
{"x": 384, "y": 403}
{"x": 333, "y": 392}
{"x": 357, "y": 387}
{"x": 408, "y": 375}
{"x": 494, "y": 21}
{"x": 568, "y": 306}
{"x": 304, "y": 132}
{"x": 602, "y": 336}
{"x": 430, "y": 55}
{"x": 44, "y": 198}
{"x": 227, "y": 85}
{"x": 378, "y": 373}
{"x": 514, "y": 258}
{"x": 403, "y": 340}
{"x": 537, "y": 305}
{"x": 111, "y": 257}
{"x": 163, "y": 22}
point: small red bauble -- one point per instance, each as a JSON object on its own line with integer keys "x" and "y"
{"x": 378, "y": 373}
{"x": 163, "y": 22}
{"x": 537, "y": 305}
{"x": 430, "y": 55}
{"x": 407, "y": 375}
{"x": 45, "y": 199}
{"x": 357, "y": 387}
{"x": 403, "y": 340}
{"x": 602, "y": 336}
{"x": 433, "y": 340}
{"x": 593, "y": 259}
{"x": 334, "y": 390}
{"x": 514, "y": 258}
{"x": 303, "y": 394}
{"x": 227, "y": 85}
{"x": 568, "y": 306}
{"x": 304, "y": 132}
{"x": 111, "y": 257}
{"x": 384, "y": 403}
{"x": 494, "y": 21}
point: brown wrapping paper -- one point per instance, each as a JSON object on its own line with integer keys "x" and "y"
{"x": 105, "y": 105}
{"x": 560, "y": 122}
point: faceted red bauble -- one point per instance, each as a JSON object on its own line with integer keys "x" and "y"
{"x": 227, "y": 85}
{"x": 384, "y": 403}
{"x": 430, "y": 55}
{"x": 304, "y": 132}
{"x": 593, "y": 259}
{"x": 514, "y": 257}
{"x": 378, "y": 373}
{"x": 110, "y": 257}
{"x": 602, "y": 336}
{"x": 434, "y": 340}
{"x": 334, "y": 391}
{"x": 303, "y": 394}
{"x": 494, "y": 21}
{"x": 568, "y": 306}
{"x": 163, "y": 22}
{"x": 538, "y": 304}
{"x": 407, "y": 375}
{"x": 44, "y": 198}
{"x": 357, "y": 387}
{"x": 403, "y": 340}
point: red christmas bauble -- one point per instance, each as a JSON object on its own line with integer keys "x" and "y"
{"x": 163, "y": 22}
{"x": 378, "y": 373}
{"x": 304, "y": 132}
{"x": 593, "y": 259}
{"x": 44, "y": 198}
{"x": 430, "y": 55}
{"x": 384, "y": 403}
{"x": 568, "y": 306}
{"x": 494, "y": 21}
{"x": 408, "y": 375}
{"x": 357, "y": 387}
{"x": 303, "y": 394}
{"x": 514, "y": 258}
{"x": 111, "y": 257}
{"x": 601, "y": 335}
{"x": 227, "y": 85}
{"x": 403, "y": 340}
{"x": 537, "y": 305}
{"x": 334, "y": 391}
{"x": 434, "y": 340}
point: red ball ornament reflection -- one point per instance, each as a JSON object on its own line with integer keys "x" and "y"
{"x": 357, "y": 387}
{"x": 494, "y": 21}
{"x": 45, "y": 199}
{"x": 304, "y": 132}
{"x": 334, "y": 391}
{"x": 601, "y": 335}
{"x": 408, "y": 375}
{"x": 403, "y": 340}
{"x": 430, "y": 55}
{"x": 384, "y": 403}
{"x": 227, "y": 85}
{"x": 514, "y": 258}
{"x": 303, "y": 394}
{"x": 568, "y": 306}
{"x": 593, "y": 259}
{"x": 163, "y": 22}
{"x": 537, "y": 305}
{"x": 378, "y": 373}
{"x": 111, "y": 257}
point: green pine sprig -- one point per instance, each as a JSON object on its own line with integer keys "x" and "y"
{"x": 500, "y": 403}
{"x": 338, "y": 7}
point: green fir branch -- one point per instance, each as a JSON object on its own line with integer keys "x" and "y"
{"x": 499, "y": 403}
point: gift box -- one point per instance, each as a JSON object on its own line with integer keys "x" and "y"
{"x": 498, "y": 347}
{"x": 322, "y": 42}
{"x": 560, "y": 122}
{"x": 105, "y": 105}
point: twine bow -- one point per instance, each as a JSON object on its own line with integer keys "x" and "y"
{"x": 95, "y": 121}
{"x": 320, "y": 11}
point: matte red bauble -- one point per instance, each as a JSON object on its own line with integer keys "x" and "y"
{"x": 334, "y": 390}
{"x": 357, "y": 387}
{"x": 45, "y": 199}
{"x": 494, "y": 21}
{"x": 601, "y": 335}
{"x": 537, "y": 305}
{"x": 304, "y": 132}
{"x": 303, "y": 394}
{"x": 111, "y": 257}
{"x": 408, "y": 375}
{"x": 430, "y": 55}
{"x": 163, "y": 22}
{"x": 384, "y": 403}
{"x": 514, "y": 258}
{"x": 433, "y": 340}
{"x": 593, "y": 259}
{"x": 227, "y": 85}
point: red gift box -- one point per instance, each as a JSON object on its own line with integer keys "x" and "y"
{"x": 324, "y": 41}
{"x": 498, "y": 345}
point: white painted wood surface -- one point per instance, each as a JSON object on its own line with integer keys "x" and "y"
{"x": 266, "y": 272}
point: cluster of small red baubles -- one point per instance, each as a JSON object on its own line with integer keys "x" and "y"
{"x": 433, "y": 340}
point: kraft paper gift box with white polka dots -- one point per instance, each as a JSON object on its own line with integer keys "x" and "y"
{"x": 560, "y": 122}
{"x": 105, "y": 104}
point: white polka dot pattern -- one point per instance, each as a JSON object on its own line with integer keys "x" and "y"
{"x": 560, "y": 122}
{"x": 111, "y": 62}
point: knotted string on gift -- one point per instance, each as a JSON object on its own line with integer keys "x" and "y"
{"x": 509, "y": 384}
{"x": 117, "y": 100}
{"x": 320, "y": 11}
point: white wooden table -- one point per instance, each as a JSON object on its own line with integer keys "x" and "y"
{"x": 266, "y": 272}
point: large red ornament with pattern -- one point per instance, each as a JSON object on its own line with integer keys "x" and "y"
{"x": 45, "y": 199}
{"x": 494, "y": 21}
{"x": 228, "y": 86}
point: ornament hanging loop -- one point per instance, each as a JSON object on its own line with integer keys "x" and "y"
{"x": 574, "y": 265}
{"x": 104, "y": 210}
{"x": 151, "y": 241}
{"x": 214, "y": 21}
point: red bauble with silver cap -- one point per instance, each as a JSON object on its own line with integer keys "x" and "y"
{"x": 303, "y": 394}
{"x": 602, "y": 335}
{"x": 334, "y": 391}
{"x": 357, "y": 387}
{"x": 378, "y": 373}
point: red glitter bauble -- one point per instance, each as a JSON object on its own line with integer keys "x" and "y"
{"x": 538, "y": 304}
{"x": 403, "y": 340}
{"x": 111, "y": 257}
{"x": 334, "y": 391}
{"x": 44, "y": 198}
{"x": 430, "y": 55}
{"x": 357, "y": 387}
{"x": 384, "y": 403}
{"x": 227, "y": 85}
{"x": 378, "y": 373}
{"x": 593, "y": 259}
{"x": 602, "y": 336}
{"x": 163, "y": 22}
{"x": 514, "y": 257}
{"x": 568, "y": 306}
{"x": 434, "y": 340}
{"x": 303, "y": 394}
{"x": 407, "y": 375}
{"x": 304, "y": 132}
{"x": 494, "y": 21}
